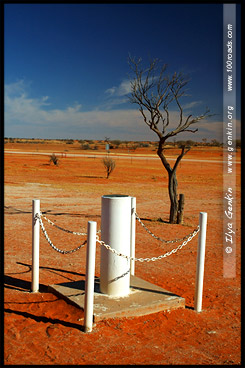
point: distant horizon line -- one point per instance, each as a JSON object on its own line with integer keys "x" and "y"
{"x": 107, "y": 139}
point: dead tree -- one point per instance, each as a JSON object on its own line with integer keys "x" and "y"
{"x": 153, "y": 90}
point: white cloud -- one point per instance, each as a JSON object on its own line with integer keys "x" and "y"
{"x": 45, "y": 98}
{"x": 122, "y": 90}
{"x": 15, "y": 88}
{"x": 192, "y": 104}
{"x": 29, "y": 117}
{"x": 111, "y": 91}
{"x": 25, "y": 116}
{"x": 117, "y": 95}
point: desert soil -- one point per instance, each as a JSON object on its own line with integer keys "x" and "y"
{"x": 40, "y": 328}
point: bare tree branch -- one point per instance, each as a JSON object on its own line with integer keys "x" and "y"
{"x": 183, "y": 152}
{"x": 154, "y": 92}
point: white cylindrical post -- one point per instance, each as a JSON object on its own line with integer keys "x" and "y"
{"x": 35, "y": 245}
{"x": 132, "y": 235}
{"x": 89, "y": 281}
{"x": 200, "y": 262}
{"x": 115, "y": 231}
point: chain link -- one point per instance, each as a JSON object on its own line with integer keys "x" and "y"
{"x": 50, "y": 242}
{"x": 158, "y": 238}
{"x": 101, "y": 242}
{"x": 190, "y": 237}
{"x": 61, "y": 228}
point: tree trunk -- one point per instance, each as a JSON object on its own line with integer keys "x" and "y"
{"x": 173, "y": 195}
{"x": 172, "y": 180}
{"x": 181, "y": 209}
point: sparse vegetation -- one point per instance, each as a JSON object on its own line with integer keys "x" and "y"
{"x": 85, "y": 146}
{"x": 126, "y": 146}
{"x": 116, "y": 143}
{"x": 144, "y": 145}
{"x": 215, "y": 143}
{"x": 54, "y": 159}
{"x": 109, "y": 165}
{"x": 133, "y": 147}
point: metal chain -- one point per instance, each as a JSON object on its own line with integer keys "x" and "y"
{"x": 160, "y": 239}
{"x": 50, "y": 242}
{"x": 61, "y": 228}
{"x": 101, "y": 242}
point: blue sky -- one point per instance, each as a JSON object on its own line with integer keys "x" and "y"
{"x": 66, "y": 69}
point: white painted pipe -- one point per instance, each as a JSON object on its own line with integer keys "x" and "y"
{"x": 89, "y": 280}
{"x": 200, "y": 261}
{"x": 35, "y": 245}
{"x": 132, "y": 235}
{"x": 115, "y": 231}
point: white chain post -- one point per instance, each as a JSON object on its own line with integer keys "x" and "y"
{"x": 35, "y": 245}
{"x": 200, "y": 262}
{"x": 89, "y": 281}
{"x": 132, "y": 236}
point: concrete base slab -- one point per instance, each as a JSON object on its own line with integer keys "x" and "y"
{"x": 144, "y": 298}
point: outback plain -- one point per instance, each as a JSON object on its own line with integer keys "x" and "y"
{"x": 40, "y": 328}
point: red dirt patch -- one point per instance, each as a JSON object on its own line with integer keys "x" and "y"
{"x": 42, "y": 329}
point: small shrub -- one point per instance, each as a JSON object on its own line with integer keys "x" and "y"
{"x": 109, "y": 165}
{"x": 54, "y": 159}
{"x": 116, "y": 142}
{"x": 144, "y": 145}
{"x": 133, "y": 147}
{"x": 215, "y": 143}
{"x": 85, "y": 146}
{"x": 189, "y": 142}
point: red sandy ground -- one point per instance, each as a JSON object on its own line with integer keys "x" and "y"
{"x": 40, "y": 328}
